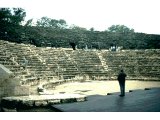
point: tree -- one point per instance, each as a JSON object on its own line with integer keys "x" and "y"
{"x": 10, "y": 22}
{"x": 51, "y": 23}
{"x": 43, "y": 22}
{"x": 62, "y": 23}
{"x": 91, "y": 29}
{"x": 18, "y": 16}
{"x": 78, "y": 33}
{"x": 77, "y": 28}
{"x": 5, "y": 14}
{"x": 122, "y": 36}
{"x": 29, "y": 22}
{"x": 120, "y": 28}
{"x": 12, "y": 16}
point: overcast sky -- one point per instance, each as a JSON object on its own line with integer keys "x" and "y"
{"x": 141, "y": 15}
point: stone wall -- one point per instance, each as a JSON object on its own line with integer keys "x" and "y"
{"x": 10, "y": 85}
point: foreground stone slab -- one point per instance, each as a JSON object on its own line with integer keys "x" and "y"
{"x": 20, "y": 102}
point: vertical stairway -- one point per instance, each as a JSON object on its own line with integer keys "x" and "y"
{"x": 103, "y": 61}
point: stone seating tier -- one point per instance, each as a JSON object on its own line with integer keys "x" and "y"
{"x": 44, "y": 62}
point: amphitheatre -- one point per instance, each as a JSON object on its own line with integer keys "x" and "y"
{"x": 63, "y": 71}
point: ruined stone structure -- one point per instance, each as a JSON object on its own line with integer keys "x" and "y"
{"x": 54, "y": 65}
{"x": 10, "y": 85}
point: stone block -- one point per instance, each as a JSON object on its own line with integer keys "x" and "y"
{"x": 16, "y": 91}
{"x": 109, "y": 93}
{"x": 10, "y": 85}
{"x": 56, "y": 101}
{"x": 41, "y": 103}
{"x": 4, "y": 73}
{"x": 147, "y": 88}
{"x": 28, "y": 103}
{"x": 81, "y": 99}
{"x": 21, "y": 90}
{"x": 9, "y": 110}
{"x": 12, "y": 81}
{"x": 9, "y": 91}
{"x": 69, "y": 100}
{"x": 1, "y": 91}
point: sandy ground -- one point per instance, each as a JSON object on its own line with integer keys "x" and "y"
{"x": 100, "y": 87}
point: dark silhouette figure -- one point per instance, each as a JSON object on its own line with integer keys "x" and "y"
{"x": 73, "y": 45}
{"x": 121, "y": 80}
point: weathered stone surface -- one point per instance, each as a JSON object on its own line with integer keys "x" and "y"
{"x": 68, "y": 100}
{"x": 1, "y": 91}
{"x": 147, "y": 89}
{"x": 4, "y": 73}
{"x": 10, "y": 85}
{"x": 8, "y": 110}
{"x": 28, "y": 103}
{"x": 81, "y": 99}
{"x": 41, "y": 103}
{"x": 56, "y": 101}
{"x": 40, "y": 100}
{"x": 15, "y": 91}
{"x": 21, "y": 90}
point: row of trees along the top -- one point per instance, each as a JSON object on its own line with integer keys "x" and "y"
{"x": 56, "y": 33}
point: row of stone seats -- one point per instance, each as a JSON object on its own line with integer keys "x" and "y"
{"x": 88, "y": 62}
{"x": 45, "y": 63}
{"x": 24, "y": 51}
{"x": 136, "y": 63}
{"x": 57, "y": 60}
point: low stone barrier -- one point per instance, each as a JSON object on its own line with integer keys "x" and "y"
{"x": 32, "y": 101}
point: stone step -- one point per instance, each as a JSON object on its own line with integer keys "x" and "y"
{"x": 32, "y": 101}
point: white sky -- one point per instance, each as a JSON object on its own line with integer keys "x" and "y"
{"x": 141, "y": 15}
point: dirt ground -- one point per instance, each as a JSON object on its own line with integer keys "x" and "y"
{"x": 100, "y": 87}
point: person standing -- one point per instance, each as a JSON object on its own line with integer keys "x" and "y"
{"x": 25, "y": 63}
{"x": 73, "y": 45}
{"x": 121, "y": 79}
